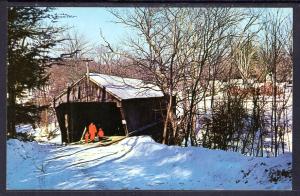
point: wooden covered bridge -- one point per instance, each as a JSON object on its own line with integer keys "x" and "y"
{"x": 121, "y": 106}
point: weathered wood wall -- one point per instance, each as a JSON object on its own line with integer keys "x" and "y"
{"x": 83, "y": 92}
{"x": 141, "y": 112}
{"x": 145, "y": 116}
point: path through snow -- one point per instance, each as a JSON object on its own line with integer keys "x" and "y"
{"x": 140, "y": 163}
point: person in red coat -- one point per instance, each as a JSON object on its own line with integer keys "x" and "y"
{"x": 92, "y": 131}
{"x": 100, "y": 133}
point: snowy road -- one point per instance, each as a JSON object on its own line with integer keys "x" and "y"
{"x": 140, "y": 163}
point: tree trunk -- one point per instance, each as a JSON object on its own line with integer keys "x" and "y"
{"x": 275, "y": 113}
{"x": 190, "y": 120}
{"x": 271, "y": 131}
{"x": 11, "y": 115}
{"x": 169, "y": 108}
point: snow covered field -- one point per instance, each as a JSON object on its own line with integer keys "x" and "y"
{"x": 139, "y": 163}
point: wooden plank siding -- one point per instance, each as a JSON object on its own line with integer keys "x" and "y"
{"x": 81, "y": 92}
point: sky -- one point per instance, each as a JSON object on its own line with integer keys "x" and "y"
{"x": 87, "y": 21}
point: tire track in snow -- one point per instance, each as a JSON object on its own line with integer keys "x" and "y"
{"x": 111, "y": 160}
{"x": 48, "y": 161}
{"x": 87, "y": 161}
{"x": 62, "y": 165}
{"x": 100, "y": 185}
{"x": 66, "y": 155}
{"x": 123, "y": 155}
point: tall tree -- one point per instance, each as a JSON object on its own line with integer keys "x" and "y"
{"x": 211, "y": 36}
{"x": 155, "y": 49}
{"x": 31, "y": 35}
{"x": 272, "y": 53}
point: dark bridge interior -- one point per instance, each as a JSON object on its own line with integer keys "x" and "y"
{"x": 74, "y": 117}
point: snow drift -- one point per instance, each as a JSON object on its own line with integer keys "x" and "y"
{"x": 139, "y": 163}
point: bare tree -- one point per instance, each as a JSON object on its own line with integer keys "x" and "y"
{"x": 271, "y": 52}
{"x": 206, "y": 49}
{"x": 155, "y": 50}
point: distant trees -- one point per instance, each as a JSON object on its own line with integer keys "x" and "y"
{"x": 31, "y": 35}
{"x": 197, "y": 55}
{"x": 256, "y": 56}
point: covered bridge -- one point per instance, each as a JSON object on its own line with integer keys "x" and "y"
{"x": 121, "y": 106}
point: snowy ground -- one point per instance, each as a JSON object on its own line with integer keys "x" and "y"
{"x": 139, "y": 163}
{"x": 40, "y": 134}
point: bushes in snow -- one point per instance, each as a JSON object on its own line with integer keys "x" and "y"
{"x": 25, "y": 136}
{"x": 226, "y": 125}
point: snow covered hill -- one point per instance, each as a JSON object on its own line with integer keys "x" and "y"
{"x": 140, "y": 163}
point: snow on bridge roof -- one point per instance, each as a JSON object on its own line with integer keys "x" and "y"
{"x": 126, "y": 88}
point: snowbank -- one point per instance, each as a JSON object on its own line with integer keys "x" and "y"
{"x": 140, "y": 163}
{"x": 40, "y": 133}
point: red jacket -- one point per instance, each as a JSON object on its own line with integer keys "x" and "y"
{"x": 92, "y": 131}
{"x": 100, "y": 133}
